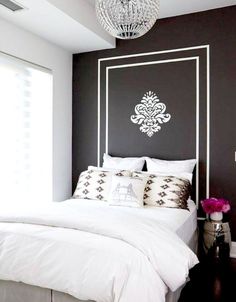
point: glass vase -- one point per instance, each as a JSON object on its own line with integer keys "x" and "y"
{"x": 216, "y": 216}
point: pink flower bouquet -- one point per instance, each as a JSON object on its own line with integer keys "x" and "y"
{"x": 211, "y": 205}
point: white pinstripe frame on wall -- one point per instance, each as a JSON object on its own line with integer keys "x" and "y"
{"x": 197, "y": 60}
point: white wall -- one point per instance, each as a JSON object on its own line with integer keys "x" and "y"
{"x": 22, "y": 44}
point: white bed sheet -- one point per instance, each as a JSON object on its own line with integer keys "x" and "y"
{"x": 189, "y": 225}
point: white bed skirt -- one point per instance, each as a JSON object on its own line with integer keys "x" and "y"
{"x": 20, "y": 292}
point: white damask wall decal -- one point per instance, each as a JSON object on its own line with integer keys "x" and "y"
{"x": 150, "y": 113}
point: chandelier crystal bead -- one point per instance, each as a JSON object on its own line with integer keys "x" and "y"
{"x": 127, "y": 19}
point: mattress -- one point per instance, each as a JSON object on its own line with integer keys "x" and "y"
{"x": 182, "y": 222}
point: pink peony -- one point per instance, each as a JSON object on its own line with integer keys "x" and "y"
{"x": 211, "y": 205}
{"x": 226, "y": 208}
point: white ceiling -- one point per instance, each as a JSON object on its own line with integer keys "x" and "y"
{"x": 91, "y": 1}
{"x": 171, "y": 8}
{"x": 72, "y": 24}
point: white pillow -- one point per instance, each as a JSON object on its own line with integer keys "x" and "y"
{"x": 170, "y": 166}
{"x": 127, "y": 191}
{"x": 183, "y": 175}
{"x": 104, "y": 169}
{"x": 126, "y": 163}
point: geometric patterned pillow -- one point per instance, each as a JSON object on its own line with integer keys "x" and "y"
{"x": 95, "y": 184}
{"x": 165, "y": 191}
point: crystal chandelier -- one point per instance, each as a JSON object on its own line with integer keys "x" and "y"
{"x": 127, "y": 19}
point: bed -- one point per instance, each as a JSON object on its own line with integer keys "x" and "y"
{"x": 34, "y": 249}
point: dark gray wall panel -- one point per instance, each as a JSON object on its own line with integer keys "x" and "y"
{"x": 174, "y": 86}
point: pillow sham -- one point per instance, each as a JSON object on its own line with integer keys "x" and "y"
{"x": 170, "y": 166}
{"x": 127, "y": 191}
{"x": 104, "y": 169}
{"x": 126, "y": 163}
{"x": 95, "y": 184}
{"x": 184, "y": 175}
{"x": 165, "y": 191}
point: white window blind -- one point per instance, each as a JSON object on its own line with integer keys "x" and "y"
{"x": 26, "y": 121}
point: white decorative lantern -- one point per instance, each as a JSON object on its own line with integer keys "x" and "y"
{"x": 127, "y": 19}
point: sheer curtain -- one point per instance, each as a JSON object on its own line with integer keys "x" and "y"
{"x": 26, "y": 121}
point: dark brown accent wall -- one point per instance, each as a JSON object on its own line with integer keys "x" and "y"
{"x": 216, "y": 28}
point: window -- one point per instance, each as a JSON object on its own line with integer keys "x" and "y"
{"x": 25, "y": 131}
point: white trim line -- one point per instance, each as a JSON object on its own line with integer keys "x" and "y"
{"x": 197, "y": 130}
{"x": 233, "y": 250}
{"x": 152, "y": 62}
{"x": 99, "y": 115}
{"x": 196, "y": 58}
{"x": 143, "y": 54}
{"x": 208, "y": 125}
{"x": 207, "y": 47}
{"x": 107, "y": 108}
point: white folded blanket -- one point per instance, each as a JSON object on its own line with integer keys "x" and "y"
{"x": 92, "y": 251}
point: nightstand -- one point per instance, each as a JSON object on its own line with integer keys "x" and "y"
{"x": 216, "y": 238}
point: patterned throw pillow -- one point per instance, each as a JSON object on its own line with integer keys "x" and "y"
{"x": 127, "y": 191}
{"x": 95, "y": 184}
{"x": 165, "y": 191}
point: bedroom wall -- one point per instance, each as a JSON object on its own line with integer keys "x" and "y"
{"x": 216, "y": 28}
{"x": 22, "y": 44}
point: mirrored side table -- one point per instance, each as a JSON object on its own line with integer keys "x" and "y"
{"x": 217, "y": 238}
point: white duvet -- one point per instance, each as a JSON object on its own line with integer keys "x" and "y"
{"x": 93, "y": 251}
